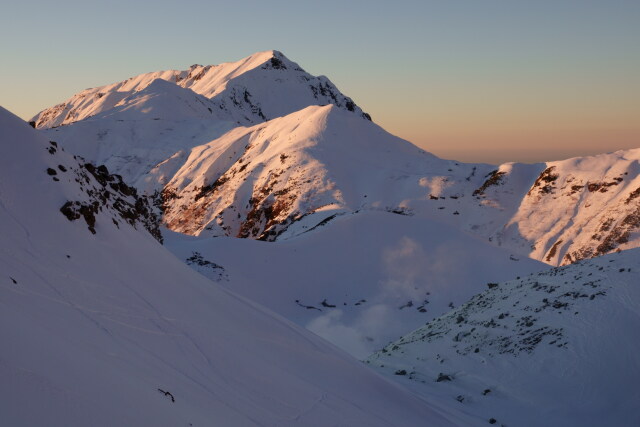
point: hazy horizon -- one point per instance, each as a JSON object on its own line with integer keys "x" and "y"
{"x": 489, "y": 82}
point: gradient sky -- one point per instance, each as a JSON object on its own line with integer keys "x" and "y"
{"x": 475, "y": 80}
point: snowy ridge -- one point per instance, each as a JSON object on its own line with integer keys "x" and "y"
{"x": 258, "y": 88}
{"x": 551, "y": 348}
{"x": 584, "y": 207}
{"x": 566, "y": 210}
{"x": 110, "y": 329}
{"x": 255, "y": 182}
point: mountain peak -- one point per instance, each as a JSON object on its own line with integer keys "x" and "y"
{"x": 257, "y": 88}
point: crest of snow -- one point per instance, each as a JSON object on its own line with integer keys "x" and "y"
{"x": 260, "y": 87}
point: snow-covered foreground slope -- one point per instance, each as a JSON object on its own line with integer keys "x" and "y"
{"x": 359, "y": 281}
{"x": 101, "y": 325}
{"x": 557, "y": 348}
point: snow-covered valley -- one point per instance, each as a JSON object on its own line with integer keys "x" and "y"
{"x": 226, "y": 244}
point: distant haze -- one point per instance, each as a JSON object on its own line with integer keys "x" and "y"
{"x": 488, "y": 81}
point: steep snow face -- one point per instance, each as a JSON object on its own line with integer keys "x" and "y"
{"x": 553, "y": 348}
{"x": 360, "y": 280}
{"x": 111, "y": 329}
{"x": 256, "y": 182}
{"x": 596, "y": 208}
{"x": 258, "y": 88}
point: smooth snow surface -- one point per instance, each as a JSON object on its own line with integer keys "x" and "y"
{"x": 94, "y": 325}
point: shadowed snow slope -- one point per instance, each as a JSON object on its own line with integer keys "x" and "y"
{"x": 555, "y": 348}
{"x": 110, "y": 329}
{"x": 359, "y": 281}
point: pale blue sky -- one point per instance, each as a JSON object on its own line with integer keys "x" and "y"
{"x": 473, "y": 80}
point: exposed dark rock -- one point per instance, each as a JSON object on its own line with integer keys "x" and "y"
{"x": 495, "y": 178}
{"x": 113, "y": 195}
{"x": 443, "y": 377}
{"x": 168, "y": 394}
{"x": 552, "y": 251}
{"x": 308, "y": 307}
{"x": 211, "y": 188}
{"x": 324, "y": 303}
{"x": 544, "y": 182}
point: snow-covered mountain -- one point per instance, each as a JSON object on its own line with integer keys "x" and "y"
{"x": 101, "y": 325}
{"x": 155, "y": 119}
{"x": 297, "y": 170}
{"x": 279, "y": 178}
{"x": 167, "y": 135}
{"x": 555, "y": 348}
{"x": 255, "y": 89}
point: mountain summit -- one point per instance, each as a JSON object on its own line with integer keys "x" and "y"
{"x": 260, "y": 87}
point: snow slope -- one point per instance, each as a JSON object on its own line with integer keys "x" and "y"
{"x": 146, "y": 128}
{"x": 101, "y": 325}
{"x": 576, "y": 209}
{"x": 556, "y": 348}
{"x": 359, "y": 281}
